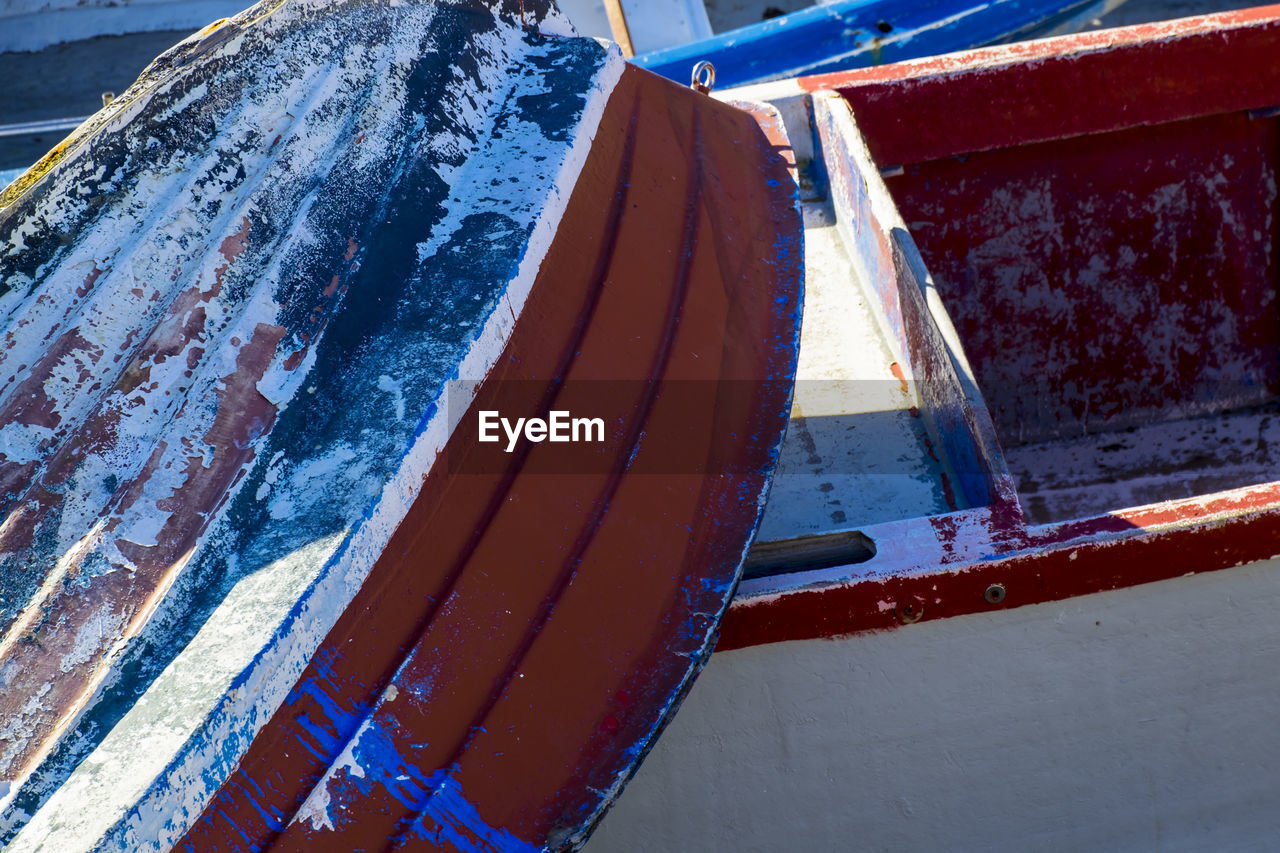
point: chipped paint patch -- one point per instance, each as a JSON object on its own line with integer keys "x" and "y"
{"x": 449, "y": 819}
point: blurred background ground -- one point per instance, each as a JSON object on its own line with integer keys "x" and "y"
{"x": 68, "y": 80}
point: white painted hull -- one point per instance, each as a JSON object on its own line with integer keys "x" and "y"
{"x": 1036, "y": 661}
{"x": 1136, "y": 719}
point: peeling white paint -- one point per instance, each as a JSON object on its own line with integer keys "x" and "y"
{"x": 227, "y": 682}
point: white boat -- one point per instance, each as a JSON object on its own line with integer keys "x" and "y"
{"x": 1015, "y": 586}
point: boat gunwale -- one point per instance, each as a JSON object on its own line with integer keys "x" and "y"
{"x": 990, "y": 558}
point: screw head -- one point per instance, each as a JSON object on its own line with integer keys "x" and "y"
{"x": 995, "y": 593}
{"x": 910, "y": 611}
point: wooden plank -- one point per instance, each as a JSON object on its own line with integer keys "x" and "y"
{"x": 618, "y": 26}
{"x": 919, "y": 330}
{"x": 808, "y": 553}
{"x": 1167, "y": 460}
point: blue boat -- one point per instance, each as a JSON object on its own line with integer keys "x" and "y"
{"x": 857, "y": 33}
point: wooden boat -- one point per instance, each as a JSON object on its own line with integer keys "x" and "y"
{"x": 1015, "y": 584}
{"x": 843, "y": 34}
{"x": 266, "y": 582}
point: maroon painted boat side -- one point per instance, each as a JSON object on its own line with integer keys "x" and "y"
{"x": 1099, "y": 215}
{"x": 975, "y": 549}
{"x": 1053, "y": 88}
{"x": 512, "y": 645}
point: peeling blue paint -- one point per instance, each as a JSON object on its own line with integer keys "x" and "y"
{"x": 846, "y": 34}
{"x": 449, "y": 819}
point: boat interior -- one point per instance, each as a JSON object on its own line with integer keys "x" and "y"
{"x": 1119, "y": 312}
{"x": 1073, "y": 315}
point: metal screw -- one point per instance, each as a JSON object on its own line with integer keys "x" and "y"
{"x": 995, "y": 593}
{"x": 908, "y": 612}
{"x": 107, "y": 98}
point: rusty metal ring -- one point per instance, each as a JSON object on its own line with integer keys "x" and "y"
{"x": 704, "y": 77}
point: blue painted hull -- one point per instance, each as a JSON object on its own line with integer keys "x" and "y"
{"x": 859, "y": 33}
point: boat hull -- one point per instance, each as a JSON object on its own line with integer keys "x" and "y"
{"x": 1144, "y": 708}
{"x": 260, "y": 554}
{"x": 1082, "y": 341}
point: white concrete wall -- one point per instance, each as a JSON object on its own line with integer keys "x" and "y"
{"x": 1137, "y": 720}
{"x": 653, "y": 23}
{"x": 36, "y": 24}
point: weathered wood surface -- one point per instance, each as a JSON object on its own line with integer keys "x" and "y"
{"x": 236, "y": 300}
{"x": 200, "y": 237}
{"x": 686, "y": 297}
